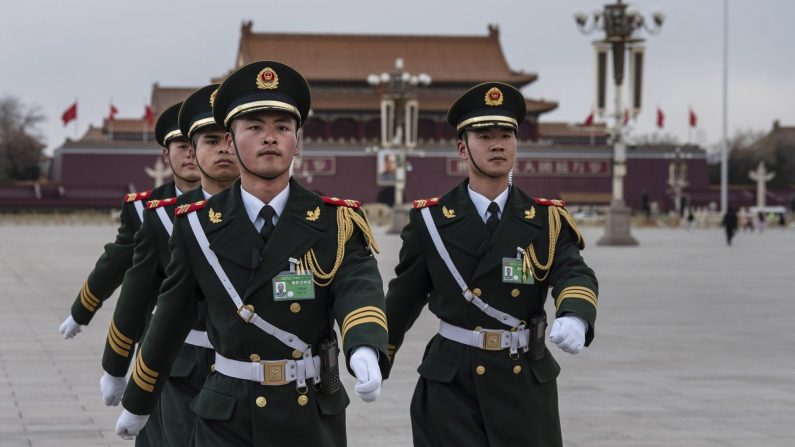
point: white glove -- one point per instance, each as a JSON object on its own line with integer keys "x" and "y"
{"x": 364, "y": 363}
{"x": 69, "y": 328}
{"x": 568, "y": 332}
{"x": 112, "y": 388}
{"x": 128, "y": 425}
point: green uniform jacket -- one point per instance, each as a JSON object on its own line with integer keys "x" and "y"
{"x": 109, "y": 269}
{"x": 468, "y": 396}
{"x": 172, "y": 422}
{"x": 239, "y": 412}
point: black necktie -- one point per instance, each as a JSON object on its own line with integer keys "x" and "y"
{"x": 494, "y": 218}
{"x": 267, "y": 213}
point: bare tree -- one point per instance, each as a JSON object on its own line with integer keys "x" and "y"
{"x": 20, "y": 140}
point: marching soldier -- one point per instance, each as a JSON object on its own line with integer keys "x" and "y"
{"x": 275, "y": 379}
{"x": 482, "y": 257}
{"x": 109, "y": 269}
{"x": 219, "y": 169}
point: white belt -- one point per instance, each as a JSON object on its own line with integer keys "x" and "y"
{"x": 199, "y": 338}
{"x": 487, "y": 339}
{"x": 269, "y": 372}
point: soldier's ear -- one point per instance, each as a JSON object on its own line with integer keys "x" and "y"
{"x": 463, "y": 154}
{"x": 166, "y": 159}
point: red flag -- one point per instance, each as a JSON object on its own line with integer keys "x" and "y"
{"x": 112, "y": 113}
{"x": 588, "y": 120}
{"x": 626, "y": 117}
{"x": 69, "y": 114}
{"x": 149, "y": 116}
{"x": 660, "y": 118}
{"x": 693, "y": 119}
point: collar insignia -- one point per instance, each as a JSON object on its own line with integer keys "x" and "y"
{"x": 215, "y": 216}
{"x": 530, "y": 214}
{"x": 448, "y": 213}
{"x": 313, "y": 215}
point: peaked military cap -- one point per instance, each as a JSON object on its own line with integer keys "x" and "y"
{"x": 487, "y": 105}
{"x": 262, "y": 85}
{"x": 167, "y": 126}
{"x": 197, "y": 110}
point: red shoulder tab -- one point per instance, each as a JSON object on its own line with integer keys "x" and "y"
{"x": 355, "y": 204}
{"x": 190, "y": 207}
{"x": 136, "y": 196}
{"x": 423, "y": 203}
{"x": 549, "y": 202}
{"x": 155, "y": 203}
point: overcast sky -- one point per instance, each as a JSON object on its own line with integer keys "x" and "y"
{"x": 53, "y": 51}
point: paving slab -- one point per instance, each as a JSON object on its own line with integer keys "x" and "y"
{"x": 693, "y": 347}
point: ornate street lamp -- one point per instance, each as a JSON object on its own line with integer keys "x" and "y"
{"x": 620, "y": 26}
{"x": 677, "y": 179}
{"x": 399, "y": 117}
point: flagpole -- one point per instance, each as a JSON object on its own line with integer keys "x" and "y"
{"x": 110, "y": 118}
{"x": 724, "y": 162}
{"x": 146, "y": 123}
{"x": 77, "y": 120}
{"x": 689, "y": 125}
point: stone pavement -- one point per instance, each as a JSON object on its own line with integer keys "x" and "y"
{"x": 694, "y": 345}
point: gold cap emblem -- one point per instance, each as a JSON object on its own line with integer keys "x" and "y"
{"x": 267, "y": 79}
{"x": 212, "y": 97}
{"x": 493, "y": 97}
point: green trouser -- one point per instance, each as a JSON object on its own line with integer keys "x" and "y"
{"x": 187, "y": 377}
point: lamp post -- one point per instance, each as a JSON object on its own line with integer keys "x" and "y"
{"x": 399, "y": 117}
{"x": 620, "y": 26}
{"x": 677, "y": 179}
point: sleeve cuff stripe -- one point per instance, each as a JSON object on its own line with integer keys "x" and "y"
{"x": 363, "y": 310}
{"x": 580, "y": 289}
{"x": 145, "y": 369}
{"x": 353, "y": 321}
{"x": 588, "y": 299}
{"x": 365, "y": 320}
{"x": 116, "y": 348}
{"x": 119, "y": 335}
{"x": 90, "y": 296}
{"x": 141, "y": 384}
{"x": 122, "y": 344}
{"x": 90, "y": 307}
{"x": 137, "y": 372}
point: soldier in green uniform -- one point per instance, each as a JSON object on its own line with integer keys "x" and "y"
{"x": 109, "y": 269}
{"x": 275, "y": 377}
{"x": 482, "y": 257}
{"x": 219, "y": 169}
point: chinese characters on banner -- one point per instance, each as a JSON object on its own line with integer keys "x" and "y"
{"x": 528, "y": 167}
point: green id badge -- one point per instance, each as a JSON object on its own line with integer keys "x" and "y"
{"x": 512, "y": 272}
{"x": 293, "y": 286}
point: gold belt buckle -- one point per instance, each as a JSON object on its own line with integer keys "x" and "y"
{"x": 274, "y": 372}
{"x": 491, "y": 340}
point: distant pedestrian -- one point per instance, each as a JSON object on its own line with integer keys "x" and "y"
{"x": 730, "y": 224}
{"x": 691, "y": 219}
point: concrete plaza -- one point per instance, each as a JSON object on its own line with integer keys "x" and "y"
{"x": 694, "y": 345}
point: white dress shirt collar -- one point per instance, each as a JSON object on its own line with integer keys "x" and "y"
{"x": 482, "y": 203}
{"x": 254, "y": 206}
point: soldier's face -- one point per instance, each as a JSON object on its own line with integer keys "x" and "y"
{"x": 215, "y": 156}
{"x": 266, "y": 141}
{"x": 181, "y": 157}
{"x": 493, "y": 149}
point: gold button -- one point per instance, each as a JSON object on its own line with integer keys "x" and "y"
{"x": 480, "y": 370}
{"x": 250, "y": 307}
{"x": 297, "y": 354}
{"x": 515, "y": 293}
{"x": 517, "y": 369}
{"x": 212, "y": 367}
{"x": 295, "y": 308}
{"x": 476, "y": 291}
{"x": 254, "y": 357}
{"x": 302, "y": 400}
{"x": 477, "y": 328}
{"x": 261, "y": 402}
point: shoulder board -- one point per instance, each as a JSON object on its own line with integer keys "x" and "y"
{"x": 549, "y": 202}
{"x": 136, "y": 196}
{"x": 190, "y": 207}
{"x": 155, "y": 203}
{"x": 423, "y": 203}
{"x": 341, "y": 202}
